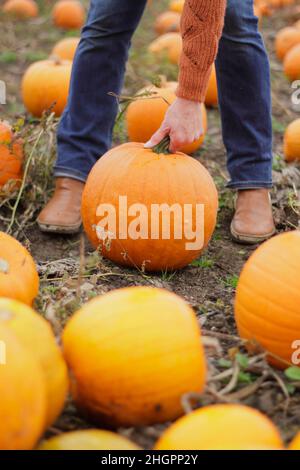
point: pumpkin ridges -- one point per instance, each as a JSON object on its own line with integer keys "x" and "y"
{"x": 131, "y": 165}
{"x": 159, "y": 358}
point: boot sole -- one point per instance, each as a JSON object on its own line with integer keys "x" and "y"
{"x": 244, "y": 239}
{"x": 59, "y": 229}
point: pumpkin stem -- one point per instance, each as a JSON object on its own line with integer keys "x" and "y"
{"x": 163, "y": 146}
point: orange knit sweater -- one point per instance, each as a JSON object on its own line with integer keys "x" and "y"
{"x": 201, "y": 28}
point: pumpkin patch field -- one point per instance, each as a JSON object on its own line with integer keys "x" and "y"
{"x": 135, "y": 343}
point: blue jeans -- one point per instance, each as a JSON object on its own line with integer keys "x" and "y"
{"x": 85, "y": 130}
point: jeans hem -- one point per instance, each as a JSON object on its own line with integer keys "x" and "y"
{"x": 250, "y": 185}
{"x": 61, "y": 172}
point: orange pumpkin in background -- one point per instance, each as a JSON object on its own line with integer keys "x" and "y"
{"x": 19, "y": 279}
{"x": 21, "y": 9}
{"x": 158, "y": 182}
{"x": 286, "y": 39}
{"x": 218, "y": 427}
{"x": 167, "y": 45}
{"x": 35, "y": 334}
{"x": 144, "y": 116}
{"x": 45, "y": 86}
{"x": 167, "y": 22}
{"x": 65, "y": 48}
{"x": 291, "y": 143}
{"x": 11, "y": 156}
{"x": 267, "y": 304}
{"x": 133, "y": 353}
{"x": 23, "y": 395}
{"x": 291, "y": 63}
{"x": 68, "y": 14}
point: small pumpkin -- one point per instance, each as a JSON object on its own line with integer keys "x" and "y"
{"x": 21, "y": 9}
{"x": 19, "y": 279}
{"x": 221, "y": 427}
{"x": 68, "y": 14}
{"x": 167, "y": 22}
{"x": 11, "y": 156}
{"x": 291, "y": 143}
{"x": 36, "y": 335}
{"x": 295, "y": 444}
{"x": 211, "y": 98}
{"x": 133, "y": 353}
{"x": 169, "y": 45}
{"x": 267, "y": 304}
{"x": 155, "y": 107}
{"x": 88, "y": 439}
{"x": 45, "y": 86}
{"x": 23, "y": 396}
{"x": 291, "y": 63}
{"x": 150, "y": 181}
{"x": 65, "y": 48}
{"x": 286, "y": 39}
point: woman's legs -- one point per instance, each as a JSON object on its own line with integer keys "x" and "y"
{"x": 85, "y": 130}
{"x": 86, "y": 126}
{"x": 245, "y": 102}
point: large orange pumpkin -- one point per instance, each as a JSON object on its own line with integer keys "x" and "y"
{"x": 88, "y": 439}
{"x": 221, "y": 427}
{"x": 286, "y": 39}
{"x": 167, "y": 22}
{"x": 155, "y": 107}
{"x": 152, "y": 208}
{"x": 65, "y": 48}
{"x": 68, "y": 14}
{"x": 19, "y": 279}
{"x": 291, "y": 145}
{"x": 169, "y": 45}
{"x": 133, "y": 353}
{"x": 267, "y": 304}
{"x": 45, "y": 85}
{"x": 11, "y": 156}
{"x": 22, "y": 392}
{"x": 291, "y": 63}
{"x": 295, "y": 444}
{"x": 21, "y": 9}
{"x": 35, "y": 333}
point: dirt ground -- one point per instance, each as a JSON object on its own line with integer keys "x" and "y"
{"x": 208, "y": 284}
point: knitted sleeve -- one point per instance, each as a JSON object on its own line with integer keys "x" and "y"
{"x": 201, "y": 28}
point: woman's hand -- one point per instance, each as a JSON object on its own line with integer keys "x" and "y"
{"x": 183, "y": 123}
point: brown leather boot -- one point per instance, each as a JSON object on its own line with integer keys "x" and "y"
{"x": 62, "y": 213}
{"x": 253, "y": 219}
